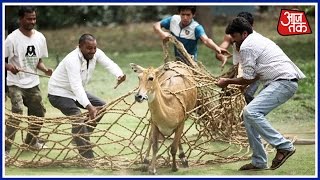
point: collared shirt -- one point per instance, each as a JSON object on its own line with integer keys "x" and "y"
{"x": 188, "y": 35}
{"x": 24, "y": 52}
{"x": 259, "y": 56}
{"x": 74, "y": 72}
{"x": 236, "y": 58}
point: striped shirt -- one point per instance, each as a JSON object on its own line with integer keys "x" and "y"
{"x": 260, "y": 57}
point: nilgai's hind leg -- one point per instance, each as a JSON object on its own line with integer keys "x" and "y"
{"x": 174, "y": 146}
{"x": 155, "y": 135}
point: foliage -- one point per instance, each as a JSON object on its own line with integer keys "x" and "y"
{"x": 309, "y": 10}
{"x": 53, "y": 17}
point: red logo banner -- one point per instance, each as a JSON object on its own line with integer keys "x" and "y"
{"x": 293, "y": 22}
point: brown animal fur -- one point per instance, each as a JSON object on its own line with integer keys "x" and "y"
{"x": 168, "y": 110}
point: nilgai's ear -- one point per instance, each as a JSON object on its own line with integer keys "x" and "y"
{"x": 136, "y": 68}
{"x": 158, "y": 70}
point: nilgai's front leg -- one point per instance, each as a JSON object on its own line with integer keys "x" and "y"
{"x": 174, "y": 146}
{"x": 155, "y": 135}
{"x": 146, "y": 161}
{"x": 182, "y": 156}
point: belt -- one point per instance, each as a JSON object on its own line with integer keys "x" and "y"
{"x": 293, "y": 80}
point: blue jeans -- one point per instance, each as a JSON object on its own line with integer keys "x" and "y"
{"x": 257, "y": 126}
{"x": 250, "y": 91}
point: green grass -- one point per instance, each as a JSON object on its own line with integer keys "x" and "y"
{"x": 138, "y": 44}
{"x": 301, "y": 164}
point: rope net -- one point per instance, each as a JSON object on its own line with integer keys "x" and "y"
{"x": 213, "y": 133}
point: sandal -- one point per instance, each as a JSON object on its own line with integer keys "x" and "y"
{"x": 250, "y": 167}
{"x": 281, "y": 157}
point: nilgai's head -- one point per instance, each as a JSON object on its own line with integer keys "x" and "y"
{"x": 147, "y": 82}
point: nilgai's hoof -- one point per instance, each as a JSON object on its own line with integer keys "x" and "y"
{"x": 185, "y": 164}
{"x": 146, "y": 161}
{"x": 174, "y": 169}
{"x": 152, "y": 172}
{"x": 144, "y": 168}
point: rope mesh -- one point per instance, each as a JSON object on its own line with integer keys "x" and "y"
{"x": 213, "y": 133}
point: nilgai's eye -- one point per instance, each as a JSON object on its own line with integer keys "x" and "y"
{"x": 150, "y": 79}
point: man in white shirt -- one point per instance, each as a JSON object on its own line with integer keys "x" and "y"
{"x": 227, "y": 41}
{"x": 11, "y": 27}
{"x": 24, "y": 49}
{"x": 262, "y": 59}
{"x": 66, "y": 88}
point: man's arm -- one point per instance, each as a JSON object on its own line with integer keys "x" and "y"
{"x": 224, "y": 82}
{"x": 163, "y": 34}
{"x": 72, "y": 72}
{"x": 11, "y": 67}
{"x": 41, "y": 66}
{"x": 111, "y": 66}
{"x": 120, "y": 79}
{"x": 92, "y": 111}
{"x": 227, "y": 40}
{"x": 210, "y": 44}
{"x": 9, "y": 54}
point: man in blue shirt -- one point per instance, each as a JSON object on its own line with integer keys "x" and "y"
{"x": 187, "y": 31}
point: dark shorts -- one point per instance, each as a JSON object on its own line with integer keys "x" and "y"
{"x": 30, "y": 97}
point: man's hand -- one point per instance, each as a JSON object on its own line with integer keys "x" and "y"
{"x": 222, "y": 58}
{"x": 48, "y": 72}
{"x": 92, "y": 111}
{"x": 165, "y": 36}
{"x": 12, "y": 68}
{"x": 120, "y": 80}
{"x": 225, "y": 52}
{"x": 222, "y": 82}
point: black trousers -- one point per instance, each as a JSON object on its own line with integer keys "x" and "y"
{"x": 81, "y": 129}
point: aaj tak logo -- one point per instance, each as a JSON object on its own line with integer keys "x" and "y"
{"x": 293, "y": 22}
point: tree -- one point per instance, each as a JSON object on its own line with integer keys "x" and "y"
{"x": 204, "y": 16}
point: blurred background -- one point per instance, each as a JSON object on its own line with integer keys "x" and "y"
{"x": 55, "y": 17}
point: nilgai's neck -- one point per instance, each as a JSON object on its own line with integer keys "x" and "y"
{"x": 158, "y": 101}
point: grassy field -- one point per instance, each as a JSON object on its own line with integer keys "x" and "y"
{"x": 137, "y": 43}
